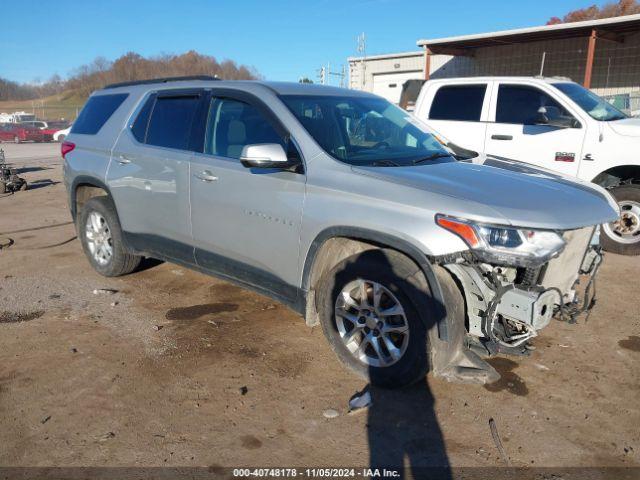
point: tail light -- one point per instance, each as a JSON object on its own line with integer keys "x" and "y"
{"x": 66, "y": 147}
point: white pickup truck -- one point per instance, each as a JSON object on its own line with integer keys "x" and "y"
{"x": 549, "y": 122}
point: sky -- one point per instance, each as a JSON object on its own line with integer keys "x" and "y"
{"x": 282, "y": 39}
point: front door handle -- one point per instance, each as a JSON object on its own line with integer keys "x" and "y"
{"x": 501, "y": 137}
{"x": 206, "y": 176}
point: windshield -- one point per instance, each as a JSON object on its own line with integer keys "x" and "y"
{"x": 591, "y": 103}
{"x": 366, "y": 130}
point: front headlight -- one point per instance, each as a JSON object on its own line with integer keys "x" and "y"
{"x": 505, "y": 245}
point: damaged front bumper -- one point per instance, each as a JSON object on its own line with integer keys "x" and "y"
{"x": 505, "y": 307}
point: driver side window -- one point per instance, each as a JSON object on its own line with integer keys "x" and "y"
{"x": 519, "y": 104}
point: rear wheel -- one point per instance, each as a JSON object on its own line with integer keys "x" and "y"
{"x": 101, "y": 237}
{"x": 369, "y": 308}
{"x": 623, "y": 235}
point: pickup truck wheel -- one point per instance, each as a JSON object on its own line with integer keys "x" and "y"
{"x": 623, "y": 235}
{"x": 368, "y": 312}
{"x": 101, "y": 237}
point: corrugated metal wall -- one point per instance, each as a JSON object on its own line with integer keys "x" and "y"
{"x": 616, "y": 69}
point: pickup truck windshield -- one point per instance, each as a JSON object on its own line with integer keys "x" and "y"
{"x": 591, "y": 103}
{"x": 366, "y": 131}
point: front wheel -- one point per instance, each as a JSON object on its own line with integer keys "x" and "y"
{"x": 101, "y": 237}
{"x": 623, "y": 235}
{"x": 373, "y": 314}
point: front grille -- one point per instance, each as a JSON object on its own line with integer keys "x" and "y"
{"x": 528, "y": 276}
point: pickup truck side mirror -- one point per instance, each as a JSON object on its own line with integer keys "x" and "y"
{"x": 266, "y": 155}
{"x": 541, "y": 117}
{"x": 553, "y": 117}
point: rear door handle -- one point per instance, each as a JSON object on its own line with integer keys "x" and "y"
{"x": 501, "y": 137}
{"x": 124, "y": 160}
{"x": 206, "y": 176}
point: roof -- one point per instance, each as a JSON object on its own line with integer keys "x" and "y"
{"x": 294, "y": 88}
{"x": 513, "y": 78}
{"x": 615, "y": 25}
{"x": 255, "y": 86}
{"x": 386, "y": 56}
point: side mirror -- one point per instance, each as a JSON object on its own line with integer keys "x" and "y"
{"x": 541, "y": 117}
{"x": 552, "y": 117}
{"x": 264, "y": 155}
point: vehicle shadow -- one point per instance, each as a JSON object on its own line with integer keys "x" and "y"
{"x": 42, "y": 183}
{"x": 402, "y": 428}
{"x": 20, "y": 170}
{"x": 147, "y": 262}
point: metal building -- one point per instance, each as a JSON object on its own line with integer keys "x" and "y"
{"x": 603, "y": 55}
{"x": 384, "y": 75}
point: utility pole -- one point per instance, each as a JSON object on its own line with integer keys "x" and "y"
{"x": 362, "y": 50}
{"x": 325, "y": 72}
{"x": 341, "y": 74}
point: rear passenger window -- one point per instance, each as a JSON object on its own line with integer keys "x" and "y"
{"x": 458, "y": 102}
{"x": 233, "y": 124}
{"x": 96, "y": 112}
{"x": 171, "y": 119}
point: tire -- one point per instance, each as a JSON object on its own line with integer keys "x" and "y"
{"x": 398, "y": 276}
{"x": 119, "y": 262}
{"x": 625, "y": 242}
{"x": 24, "y": 186}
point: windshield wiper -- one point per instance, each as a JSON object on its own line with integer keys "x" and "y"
{"x": 432, "y": 157}
{"x": 384, "y": 163}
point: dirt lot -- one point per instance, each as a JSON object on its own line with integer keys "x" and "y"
{"x": 153, "y": 375}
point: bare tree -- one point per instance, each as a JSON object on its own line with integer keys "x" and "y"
{"x": 130, "y": 66}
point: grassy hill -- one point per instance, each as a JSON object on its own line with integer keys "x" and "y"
{"x": 65, "y": 105}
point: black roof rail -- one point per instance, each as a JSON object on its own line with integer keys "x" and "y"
{"x": 161, "y": 80}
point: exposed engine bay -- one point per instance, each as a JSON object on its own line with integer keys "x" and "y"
{"x": 507, "y": 306}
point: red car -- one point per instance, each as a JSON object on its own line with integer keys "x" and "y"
{"x": 47, "y": 128}
{"x": 15, "y": 132}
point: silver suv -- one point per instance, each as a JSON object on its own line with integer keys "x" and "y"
{"x": 412, "y": 254}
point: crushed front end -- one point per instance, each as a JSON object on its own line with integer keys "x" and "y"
{"x": 514, "y": 281}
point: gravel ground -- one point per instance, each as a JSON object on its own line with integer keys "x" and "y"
{"x": 175, "y": 368}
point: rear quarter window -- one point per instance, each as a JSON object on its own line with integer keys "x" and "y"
{"x": 458, "y": 102}
{"x": 96, "y": 112}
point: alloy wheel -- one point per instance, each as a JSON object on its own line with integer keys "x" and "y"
{"x": 99, "y": 240}
{"x": 372, "y": 323}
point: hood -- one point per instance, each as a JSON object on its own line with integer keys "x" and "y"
{"x": 629, "y": 127}
{"x": 519, "y": 194}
